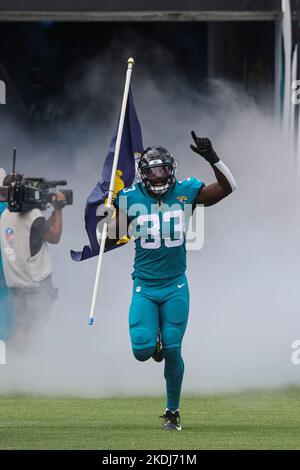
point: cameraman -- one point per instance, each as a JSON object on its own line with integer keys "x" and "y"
{"x": 27, "y": 261}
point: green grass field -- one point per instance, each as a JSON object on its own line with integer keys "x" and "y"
{"x": 248, "y": 420}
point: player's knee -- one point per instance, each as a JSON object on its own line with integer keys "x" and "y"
{"x": 172, "y": 337}
{"x": 141, "y": 338}
{"x": 143, "y": 354}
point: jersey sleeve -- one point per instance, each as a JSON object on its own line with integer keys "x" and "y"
{"x": 191, "y": 188}
{"x": 129, "y": 193}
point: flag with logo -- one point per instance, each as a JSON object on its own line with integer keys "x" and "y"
{"x": 131, "y": 146}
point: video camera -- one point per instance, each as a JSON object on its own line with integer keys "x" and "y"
{"x": 24, "y": 194}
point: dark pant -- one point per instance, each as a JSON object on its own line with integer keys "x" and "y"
{"x": 32, "y": 307}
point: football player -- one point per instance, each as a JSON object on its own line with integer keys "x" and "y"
{"x": 154, "y": 214}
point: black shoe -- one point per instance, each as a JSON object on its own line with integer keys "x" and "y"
{"x": 158, "y": 354}
{"x": 172, "y": 420}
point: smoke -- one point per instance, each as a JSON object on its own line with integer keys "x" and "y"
{"x": 244, "y": 282}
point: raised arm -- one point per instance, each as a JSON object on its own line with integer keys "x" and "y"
{"x": 225, "y": 183}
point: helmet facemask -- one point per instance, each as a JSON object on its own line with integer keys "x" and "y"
{"x": 157, "y": 170}
{"x": 158, "y": 178}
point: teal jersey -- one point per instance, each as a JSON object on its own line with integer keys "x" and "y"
{"x": 3, "y": 206}
{"x": 7, "y": 319}
{"x": 159, "y": 229}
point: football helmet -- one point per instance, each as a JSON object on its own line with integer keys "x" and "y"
{"x": 157, "y": 169}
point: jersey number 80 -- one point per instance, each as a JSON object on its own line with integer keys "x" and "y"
{"x": 150, "y": 226}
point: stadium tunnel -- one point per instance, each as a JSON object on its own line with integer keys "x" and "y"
{"x": 42, "y": 45}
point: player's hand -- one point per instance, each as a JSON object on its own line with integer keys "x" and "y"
{"x": 204, "y": 148}
{"x": 58, "y": 200}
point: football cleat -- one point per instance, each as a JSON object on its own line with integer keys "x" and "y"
{"x": 172, "y": 420}
{"x": 158, "y": 354}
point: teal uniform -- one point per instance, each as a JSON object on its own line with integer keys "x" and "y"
{"x": 6, "y": 303}
{"x": 160, "y": 250}
{"x": 160, "y": 299}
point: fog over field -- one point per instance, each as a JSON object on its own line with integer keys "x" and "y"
{"x": 244, "y": 283}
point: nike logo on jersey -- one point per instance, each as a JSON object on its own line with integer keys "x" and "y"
{"x": 181, "y": 285}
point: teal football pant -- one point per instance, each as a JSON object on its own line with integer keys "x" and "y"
{"x": 161, "y": 305}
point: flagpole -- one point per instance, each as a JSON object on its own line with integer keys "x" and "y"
{"x": 130, "y": 63}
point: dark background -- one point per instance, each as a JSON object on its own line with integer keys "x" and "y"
{"x": 41, "y": 61}
{"x": 113, "y": 5}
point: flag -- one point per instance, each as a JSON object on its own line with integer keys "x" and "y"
{"x": 131, "y": 146}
